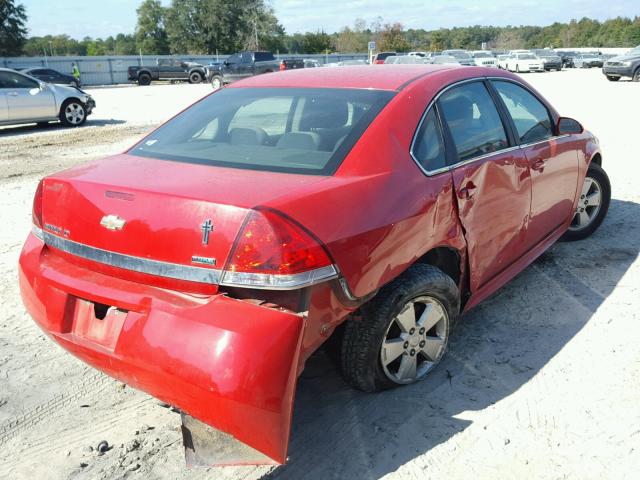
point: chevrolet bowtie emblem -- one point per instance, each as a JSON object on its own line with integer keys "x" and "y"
{"x": 112, "y": 222}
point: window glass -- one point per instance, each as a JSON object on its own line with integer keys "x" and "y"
{"x": 15, "y": 80}
{"x": 429, "y": 147}
{"x": 473, "y": 120}
{"x": 295, "y": 130}
{"x": 270, "y": 114}
{"x": 235, "y": 58}
{"x": 529, "y": 115}
{"x": 246, "y": 57}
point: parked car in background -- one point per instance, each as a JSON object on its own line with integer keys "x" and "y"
{"x": 627, "y": 65}
{"x": 248, "y": 64}
{"x": 25, "y": 99}
{"x": 444, "y": 60}
{"x": 167, "y": 69}
{"x": 551, "y": 59}
{"x": 567, "y": 58}
{"x": 227, "y": 267}
{"x": 419, "y": 54}
{"x": 405, "y": 60}
{"x": 483, "y": 58}
{"x": 462, "y": 56}
{"x": 311, "y": 63}
{"x": 588, "y": 60}
{"x": 379, "y": 58}
{"x": 49, "y": 75}
{"x": 521, "y": 62}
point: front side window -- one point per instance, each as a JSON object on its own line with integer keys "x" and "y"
{"x": 428, "y": 148}
{"x": 294, "y": 130}
{"x": 15, "y": 80}
{"x": 529, "y": 115}
{"x": 235, "y": 58}
{"x": 473, "y": 120}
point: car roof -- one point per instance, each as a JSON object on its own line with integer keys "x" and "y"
{"x": 377, "y": 77}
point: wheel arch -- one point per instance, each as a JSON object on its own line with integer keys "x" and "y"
{"x": 447, "y": 259}
{"x": 144, "y": 71}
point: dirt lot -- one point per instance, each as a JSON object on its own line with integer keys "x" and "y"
{"x": 541, "y": 381}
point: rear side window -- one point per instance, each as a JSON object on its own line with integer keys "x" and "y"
{"x": 529, "y": 115}
{"x": 428, "y": 149}
{"x": 264, "y": 56}
{"x": 293, "y": 130}
{"x": 15, "y": 80}
{"x": 473, "y": 120}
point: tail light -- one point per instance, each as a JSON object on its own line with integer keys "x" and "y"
{"x": 272, "y": 251}
{"x": 36, "y": 212}
{"x": 282, "y": 66}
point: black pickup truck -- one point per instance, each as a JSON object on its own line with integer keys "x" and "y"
{"x": 247, "y": 64}
{"x": 167, "y": 69}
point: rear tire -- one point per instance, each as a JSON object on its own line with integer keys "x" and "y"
{"x": 517, "y": 68}
{"x": 589, "y": 215}
{"x": 144, "y": 79}
{"x": 407, "y": 324}
{"x": 73, "y": 113}
{"x": 195, "y": 77}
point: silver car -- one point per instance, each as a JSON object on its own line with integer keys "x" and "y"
{"x": 24, "y": 99}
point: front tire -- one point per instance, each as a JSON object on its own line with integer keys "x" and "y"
{"x": 216, "y": 82}
{"x": 404, "y": 330}
{"x": 592, "y": 205}
{"x": 612, "y": 79}
{"x": 73, "y": 113}
{"x": 636, "y": 76}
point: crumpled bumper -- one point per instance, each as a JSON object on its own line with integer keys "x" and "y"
{"x": 228, "y": 363}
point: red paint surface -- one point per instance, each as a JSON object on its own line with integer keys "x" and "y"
{"x": 233, "y": 364}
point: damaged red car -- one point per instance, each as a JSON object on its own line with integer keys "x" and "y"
{"x": 372, "y": 206}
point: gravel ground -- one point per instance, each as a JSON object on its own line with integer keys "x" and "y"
{"x": 541, "y": 381}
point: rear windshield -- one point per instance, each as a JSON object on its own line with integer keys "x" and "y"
{"x": 294, "y": 130}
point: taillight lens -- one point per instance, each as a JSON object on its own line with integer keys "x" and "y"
{"x": 36, "y": 212}
{"x": 273, "y": 251}
{"x": 282, "y": 66}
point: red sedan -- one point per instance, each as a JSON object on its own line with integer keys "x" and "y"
{"x": 208, "y": 262}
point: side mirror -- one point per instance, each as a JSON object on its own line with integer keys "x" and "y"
{"x": 569, "y": 126}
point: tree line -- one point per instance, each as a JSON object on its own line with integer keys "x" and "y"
{"x": 208, "y": 27}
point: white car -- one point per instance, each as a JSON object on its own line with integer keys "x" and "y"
{"x": 482, "y": 58}
{"x": 520, "y": 62}
{"x": 25, "y": 99}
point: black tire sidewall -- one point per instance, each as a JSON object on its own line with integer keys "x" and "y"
{"x": 144, "y": 80}
{"x": 195, "y": 77}
{"x": 596, "y": 172}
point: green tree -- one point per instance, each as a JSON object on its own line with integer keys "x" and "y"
{"x": 13, "y": 33}
{"x": 151, "y": 35}
{"x": 392, "y": 39}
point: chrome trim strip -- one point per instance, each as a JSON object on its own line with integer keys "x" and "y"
{"x": 136, "y": 264}
{"x": 37, "y": 232}
{"x": 187, "y": 272}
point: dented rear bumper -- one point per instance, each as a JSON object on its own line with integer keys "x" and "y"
{"x": 228, "y": 363}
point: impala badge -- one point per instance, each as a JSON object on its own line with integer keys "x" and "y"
{"x": 112, "y": 222}
{"x": 207, "y": 227}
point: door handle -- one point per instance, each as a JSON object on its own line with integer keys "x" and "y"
{"x": 466, "y": 192}
{"x": 538, "y": 165}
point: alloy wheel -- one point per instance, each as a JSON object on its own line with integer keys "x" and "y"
{"x": 588, "y": 205}
{"x": 74, "y": 113}
{"x": 415, "y": 340}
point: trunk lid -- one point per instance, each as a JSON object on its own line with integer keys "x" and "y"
{"x": 157, "y": 211}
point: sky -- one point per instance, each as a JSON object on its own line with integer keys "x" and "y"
{"x": 110, "y": 17}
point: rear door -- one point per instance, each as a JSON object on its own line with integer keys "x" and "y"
{"x": 25, "y": 99}
{"x": 490, "y": 177}
{"x": 232, "y": 67}
{"x": 553, "y": 160}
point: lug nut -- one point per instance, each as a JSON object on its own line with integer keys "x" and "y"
{"x": 422, "y": 343}
{"x": 413, "y": 352}
{"x": 406, "y": 344}
{"x": 422, "y": 331}
{"x": 582, "y": 196}
{"x": 412, "y": 331}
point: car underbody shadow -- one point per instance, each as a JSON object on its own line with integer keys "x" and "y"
{"x": 497, "y": 348}
{"x": 19, "y": 130}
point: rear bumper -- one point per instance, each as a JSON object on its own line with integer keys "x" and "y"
{"x": 228, "y": 363}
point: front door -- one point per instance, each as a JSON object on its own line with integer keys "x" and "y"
{"x": 491, "y": 180}
{"x": 553, "y": 161}
{"x": 25, "y": 99}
